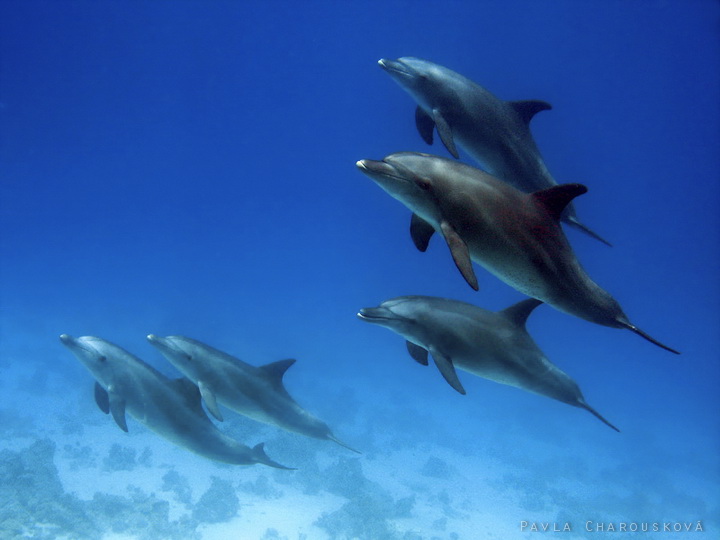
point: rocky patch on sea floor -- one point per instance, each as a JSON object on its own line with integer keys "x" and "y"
{"x": 370, "y": 510}
{"x": 33, "y": 503}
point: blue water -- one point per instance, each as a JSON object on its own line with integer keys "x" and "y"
{"x": 188, "y": 168}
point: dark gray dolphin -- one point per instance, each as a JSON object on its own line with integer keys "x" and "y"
{"x": 495, "y": 346}
{"x": 514, "y": 235}
{"x": 169, "y": 407}
{"x": 494, "y": 132}
{"x": 256, "y": 392}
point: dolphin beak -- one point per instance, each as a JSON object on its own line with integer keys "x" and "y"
{"x": 371, "y": 167}
{"x": 374, "y": 315}
{"x": 75, "y": 344}
{"x": 393, "y": 67}
{"x": 160, "y": 343}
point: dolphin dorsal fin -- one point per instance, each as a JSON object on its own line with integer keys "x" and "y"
{"x": 529, "y": 108}
{"x": 276, "y": 370}
{"x": 556, "y": 198}
{"x": 519, "y": 313}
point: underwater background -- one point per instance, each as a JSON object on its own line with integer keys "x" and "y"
{"x": 189, "y": 168}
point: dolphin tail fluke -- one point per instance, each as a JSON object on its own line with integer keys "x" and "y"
{"x": 261, "y": 457}
{"x": 573, "y": 222}
{"x": 597, "y": 414}
{"x": 640, "y": 333}
{"x": 338, "y": 441}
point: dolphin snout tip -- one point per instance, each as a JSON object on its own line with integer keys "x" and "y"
{"x": 360, "y": 164}
{"x": 152, "y": 338}
{"x": 65, "y": 338}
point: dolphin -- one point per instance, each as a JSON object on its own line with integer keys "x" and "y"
{"x": 256, "y": 392}
{"x": 495, "y": 346}
{"x": 169, "y": 407}
{"x": 514, "y": 235}
{"x": 494, "y": 132}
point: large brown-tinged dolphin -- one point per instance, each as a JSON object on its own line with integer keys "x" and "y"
{"x": 256, "y": 392}
{"x": 515, "y": 235}
{"x": 495, "y": 346}
{"x": 169, "y": 407}
{"x": 494, "y": 132}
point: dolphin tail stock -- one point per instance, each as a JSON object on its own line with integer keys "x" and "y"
{"x": 334, "y": 439}
{"x": 573, "y": 222}
{"x": 587, "y": 407}
{"x": 260, "y": 456}
{"x": 633, "y": 328}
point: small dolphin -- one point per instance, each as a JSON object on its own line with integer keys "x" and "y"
{"x": 494, "y": 132}
{"x": 514, "y": 235}
{"x": 169, "y": 407}
{"x": 256, "y": 392}
{"x": 495, "y": 346}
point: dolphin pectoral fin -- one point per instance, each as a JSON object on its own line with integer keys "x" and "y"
{"x": 587, "y": 407}
{"x": 445, "y": 132}
{"x": 519, "y": 313}
{"x": 447, "y": 370}
{"x": 460, "y": 253}
{"x": 208, "y": 397}
{"x": 102, "y": 399}
{"x": 529, "y": 108}
{"x": 640, "y": 333}
{"x": 191, "y": 393}
{"x": 117, "y": 408}
{"x": 418, "y": 353}
{"x": 420, "y": 232}
{"x": 556, "y": 198}
{"x": 425, "y": 124}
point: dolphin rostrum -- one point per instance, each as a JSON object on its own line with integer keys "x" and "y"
{"x": 514, "y": 235}
{"x": 169, "y": 407}
{"x": 494, "y": 132}
{"x": 495, "y": 346}
{"x": 256, "y": 392}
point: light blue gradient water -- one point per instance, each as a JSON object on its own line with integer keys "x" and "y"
{"x": 188, "y": 168}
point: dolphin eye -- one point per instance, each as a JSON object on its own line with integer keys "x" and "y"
{"x": 423, "y": 184}
{"x": 102, "y": 359}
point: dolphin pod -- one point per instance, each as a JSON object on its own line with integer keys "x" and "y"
{"x": 495, "y": 133}
{"x": 256, "y": 392}
{"x": 515, "y": 235}
{"x": 170, "y": 408}
{"x": 495, "y": 346}
{"x": 506, "y": 220}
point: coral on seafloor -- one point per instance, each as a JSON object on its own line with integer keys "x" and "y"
{"x": 33, "y": 504}
{"x": 219, "y": 503}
